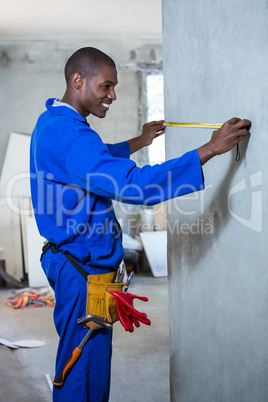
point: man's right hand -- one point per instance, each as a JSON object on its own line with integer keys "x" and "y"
{"x": 225, "y": 138}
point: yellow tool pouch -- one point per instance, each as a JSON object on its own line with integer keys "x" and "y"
{"x": 99, "y": 301}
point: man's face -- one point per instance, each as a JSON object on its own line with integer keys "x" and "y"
{"x": 97, "y": 94}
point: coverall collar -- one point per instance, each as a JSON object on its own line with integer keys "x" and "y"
{"x": 63, "y": 111}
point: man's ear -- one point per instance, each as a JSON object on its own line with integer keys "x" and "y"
{"x": 77, "y": 81}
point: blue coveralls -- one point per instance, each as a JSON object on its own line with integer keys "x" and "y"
{"x": 74, "y": 177}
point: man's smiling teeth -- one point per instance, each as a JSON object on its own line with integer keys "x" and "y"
{"x": 106, "y": 105}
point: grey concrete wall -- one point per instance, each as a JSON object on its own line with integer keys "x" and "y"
{"x": 215, "y": 67}
{"x": 32, "y": 71}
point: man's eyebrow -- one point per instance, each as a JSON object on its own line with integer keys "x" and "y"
{"x": 110, "y": 82}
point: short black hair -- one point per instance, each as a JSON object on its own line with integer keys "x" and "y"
{"x": 86, "y": 61}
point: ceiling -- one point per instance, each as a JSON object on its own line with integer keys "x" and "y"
{"x": 39, "y": 19}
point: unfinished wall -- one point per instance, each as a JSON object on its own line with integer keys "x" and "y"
{"x": 215, "y": 67}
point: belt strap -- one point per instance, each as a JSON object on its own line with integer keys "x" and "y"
{"x": 69, "y": 257}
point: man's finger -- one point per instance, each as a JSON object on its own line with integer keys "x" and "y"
{"x": 157, "y": 123}
{"x": 244, "y": 123}
{"x": 234, "y": 120}
{"x": 160, "y": 133}
{"x": 242, "y": 134}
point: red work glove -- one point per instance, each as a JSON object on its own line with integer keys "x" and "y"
{"x": 127, "y": 314}
{"x": 124, "y": 318}
{"x": 127, "y": 319}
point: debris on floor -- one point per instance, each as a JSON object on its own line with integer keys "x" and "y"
{"x": 49, "y": 382}
{"x": 30, "y": 298}
{"x": 26, "y": 343}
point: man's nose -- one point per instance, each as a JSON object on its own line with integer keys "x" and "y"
{"x": 112, "y": 94}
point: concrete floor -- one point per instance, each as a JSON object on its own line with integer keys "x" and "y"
{"x": 140, "y": 365}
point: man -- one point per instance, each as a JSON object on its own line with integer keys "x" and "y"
{"x": 74, "y": 177}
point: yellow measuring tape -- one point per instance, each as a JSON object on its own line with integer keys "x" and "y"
{"x": 202, "y": 125}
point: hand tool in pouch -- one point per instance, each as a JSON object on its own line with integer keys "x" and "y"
{"x": 128, "y": 281}
{"x": 93, "y": 322}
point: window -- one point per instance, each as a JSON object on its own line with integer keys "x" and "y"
{"x": 155, "y": 111}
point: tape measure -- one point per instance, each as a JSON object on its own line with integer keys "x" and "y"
{"x": 200, "y": 125}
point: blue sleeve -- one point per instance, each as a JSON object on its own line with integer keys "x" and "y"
{"x": 91, "y": 167}
{"x": 119, "y": 150}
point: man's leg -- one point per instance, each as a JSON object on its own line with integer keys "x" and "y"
{"x": 89, "y": 379}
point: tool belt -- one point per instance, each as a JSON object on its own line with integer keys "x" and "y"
{"x": 99, "y": 301}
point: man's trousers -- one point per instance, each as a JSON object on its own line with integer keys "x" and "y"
{"x": 89, "y": 379}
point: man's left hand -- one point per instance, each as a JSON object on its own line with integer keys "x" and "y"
{"x": 152, "y": 130}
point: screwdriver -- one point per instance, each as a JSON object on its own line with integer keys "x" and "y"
{"x": 128, "y": 281}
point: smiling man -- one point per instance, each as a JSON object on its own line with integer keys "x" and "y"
{"x": 95, "y": 85}
{"x": 74, "y": 178}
